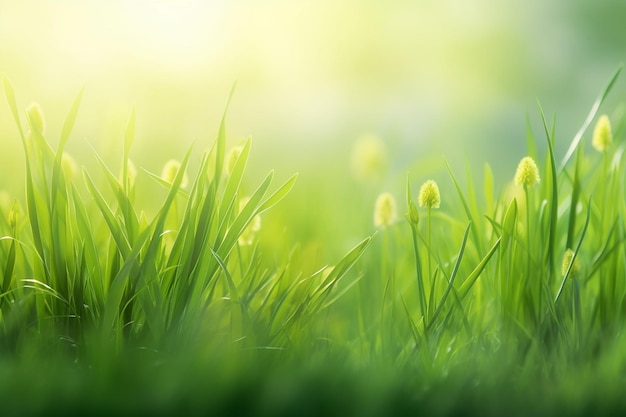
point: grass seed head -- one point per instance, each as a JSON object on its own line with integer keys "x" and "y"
{"x": 170, "y": 170}
{"x": 69, "y": 166}
{"x": 567, "y": 258}
{"x": 385, "y": 212}
{"x": 369, "y": 158}
{"x": 231, "y": 158}
{"x": 14, "y": 215}
{"x": 36, "y": 121}
{"x": 527, "y": 173}
{"x": 602, "y": 136}
{"x": 429, "y": 196}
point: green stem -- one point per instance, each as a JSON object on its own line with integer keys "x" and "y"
{"x": 420, "y": 278}
{"x": 430, "y": 276}
{"x": 529, "y": 245}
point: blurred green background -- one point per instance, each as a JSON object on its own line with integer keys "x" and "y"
{"x": 420, "y": 79}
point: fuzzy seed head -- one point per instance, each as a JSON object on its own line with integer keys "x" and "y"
{"x": 602, "y": 136}
{"x": 527, "y": 173}
{"x": 35, "y": 118}
{"x": 170, "y": 170}
{"x": 385, "y": 212}
{"x": 369, "y": 158}
{"x": 429, "y": 196}
{"x": 567, "y": 258}
{"x": 68, "y": 165}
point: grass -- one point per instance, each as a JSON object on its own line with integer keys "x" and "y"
{"x": 464, "y": 308}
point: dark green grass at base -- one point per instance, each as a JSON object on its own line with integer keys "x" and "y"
{"x": 271, "y": 384}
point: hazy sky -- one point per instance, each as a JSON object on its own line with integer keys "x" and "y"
{"x": 441, "y": 75}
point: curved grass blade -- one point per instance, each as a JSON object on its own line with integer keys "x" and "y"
{"x": 450, "y": 286}
{"x": 554, "y": 203}
{"x": 580, "y": 241}
{"x": 466, "y": 207}
{"x": 278, "y": 195}
{"x": 471, "y": 279}
{"x": 589, "y": 119}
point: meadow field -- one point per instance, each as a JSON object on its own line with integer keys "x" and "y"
{"x": 431, "y": 238}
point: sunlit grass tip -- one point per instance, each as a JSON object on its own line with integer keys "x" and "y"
{"x": 170, "y": 170}
{"x": 602, "y": 136}
{"x": 36, "y": 121}
{"x": 385, "y": 210}
{"x": 429, "y": 195}
{"x": 527, "y": 174}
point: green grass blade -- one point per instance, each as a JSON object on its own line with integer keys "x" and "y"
{"x": 466, "y": 207}
{"x": 471, "y": 279}
{"x": 221, "y": 140}
{"x": 9, "y": 94}
{"x": 575, "y": 196}
{"x": 580, "y": 241}
{"x": 592, "y": 114}
{"x": 531, "y": 143}
{"x": 70, "y": 120}
{"x": 120, "y": 238}
{"x": 554, "y": 197}
{"x": 278, "y": 195}
{"x": 234, "y": 181}
{"x": 455, "y": 270}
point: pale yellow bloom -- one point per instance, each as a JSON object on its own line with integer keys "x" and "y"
{"x": 385, "y": 211}
{"x": 429, "y": 195}
{"x": 35, "y": 117}
{"x": 369, "y": 158}
{"x": 170, "y": 170}
{"x": 567, "y": 258}
{"x": 527, "y": 173}
{"x": 602, "y": 136}
{"x": 68, "y": 165}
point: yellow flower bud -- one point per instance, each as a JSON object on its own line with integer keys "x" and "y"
{"x": 527, "y": 173}
{"x": 170, "y": 170}
{"x": 429, "y": 196}
{"x": 567, "y": 258}
{"x": 14, "y": 215}
{"x": 602, "y": 136}
{"x": 35, "y": 118}
{"x": 68, "y": 165}
{"x": 369, "y": 158}
{"x": 385, "y": 212}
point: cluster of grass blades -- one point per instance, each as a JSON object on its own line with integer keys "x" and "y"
{"x": 86, "y": 267}
{"x": 537, "y": 271}
{"x": 473, "y": 296}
